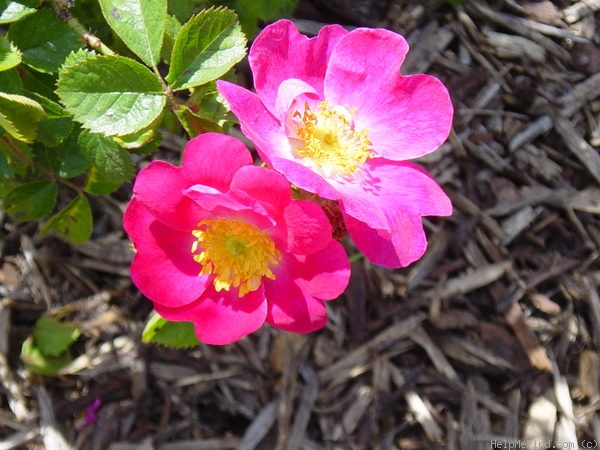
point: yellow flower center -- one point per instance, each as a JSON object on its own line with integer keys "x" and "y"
{"x": 329, "y": 140}
{"x": 236, "y": 252}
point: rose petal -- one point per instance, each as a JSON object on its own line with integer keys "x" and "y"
{"x": 280, "y": 52}
{"x": 210, "y": 159}
{"x": 162, "y": 267}
{"x": 309, "y": 229}
{"x": 388, "y": 188}
{"x": 221, "y": 317}
{"x": 301, "y": 284}
{"x": 399, "y": 247}
{"x": 407, "y": 116}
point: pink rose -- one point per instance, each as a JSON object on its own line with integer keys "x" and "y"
{"x": 221, "y": 243}
{"x": 334, "y": 115}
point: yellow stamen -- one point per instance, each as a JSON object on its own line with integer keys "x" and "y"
{"x": 329, "y": 140}
{"x": 237, "y": 253}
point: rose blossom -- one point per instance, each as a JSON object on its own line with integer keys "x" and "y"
{"x": 221, "y": 243}
{"x": 334, "y": 115}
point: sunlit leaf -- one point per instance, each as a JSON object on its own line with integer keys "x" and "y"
{"x": 52, "y": 336}
{"x": 170, "y": 334}
{"x": 10, "y": 56}
{"x": 112, "y": 95}
{"x": 207, "y": 46}
{"x": 139, "y": 23}
{"x": 19, "y": 116}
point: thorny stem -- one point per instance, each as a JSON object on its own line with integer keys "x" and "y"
{"x": 15, "y": 150}
{"x": 65, "y": 15}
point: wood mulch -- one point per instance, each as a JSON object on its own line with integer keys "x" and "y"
{"x": 491, "y": 340}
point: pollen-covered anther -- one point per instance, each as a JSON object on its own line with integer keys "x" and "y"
{"x": 237, "y": 253}
{"x": 329, "y": 140}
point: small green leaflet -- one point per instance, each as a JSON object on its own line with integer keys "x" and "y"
{"x": 35, "y": 361}
{"x": 31, "y": 201}
{"x": 46, "y": 48}
{"x": 139, "y": 23}
{"x": 10, "y": 56}
{"x": 207, "y": 46}
{"x": 169, "y": 334}
{"x": 73, "y": 223}
{"x": 11, "y": 11}
{"x": 19, "y": 116}
{"x": 46, "y": 351}
{"x": 111, "y": 95}
{"x": 52, "y": 336}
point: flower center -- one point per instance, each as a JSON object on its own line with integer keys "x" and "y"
{"x": 329, "y": 140}
{"x": 236, "y": 252}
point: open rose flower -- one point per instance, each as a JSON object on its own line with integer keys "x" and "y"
{"x": 221, "y": 243}
{"x": 334, "y": 115}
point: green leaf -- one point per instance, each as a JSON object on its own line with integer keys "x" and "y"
{"x": 31, "y": 201}
{"x": 98, "y": 183}
{"x": 11, "y": 11}
{"x": 184, "y": 9}
{"x": 112, "y": 95}
{"x": 206, "y": 102}
{"x": 57, "y": 124}
{"x": 139, "y": 23}
{"x": 46, "y": 48}
{"x": 67, "y": 159}
{"x": 73, "y": 222}
{"x": 107, "y": 156}
{"x": 171, "y": 31}
{"x": 17, "y": 154}
{"x": 10, "y": 56}
{"x": 253, "y": 11}
{"x": 35, "y": 361}
{"x": 170, "y": 334}
{"x": 194, "y": 124}
{"x": 19, "y": 116}
{"x": 53, "y": 337}
{"x": 206, "y": 47}
{"x": 11, "y": 82}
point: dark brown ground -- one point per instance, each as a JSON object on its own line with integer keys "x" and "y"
{"x": 492, "y": 338}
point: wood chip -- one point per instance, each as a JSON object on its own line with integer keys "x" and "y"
{"x": 536, "y": 353}
{"x": 259, "y": 428}
{"x": 579, "y": 147}
{"x": 541, "y": 419}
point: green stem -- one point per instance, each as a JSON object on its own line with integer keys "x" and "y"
{"x": 65, "y": 15}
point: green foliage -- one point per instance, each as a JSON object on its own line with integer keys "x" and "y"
{"x": 251, "y": 12}
{"x": 10, "y": 56}
{"x": 206, "y": 48}
{"x": 76, "y": 109}
{"x": 170, "y": 334}
{"x": 73, "y": 222}
{"x": 19, "y": 116}
{"x": 140, "y": 24}
{"x": 12, "y": 11}
{"x": 46, "y": 48}
{"x": 31, "y": 201}
{"x": 112, "y": 95}
{"x": 46, "y": 351}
